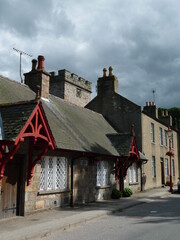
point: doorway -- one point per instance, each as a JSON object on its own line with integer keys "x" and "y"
{"x": 162, "y": 172}
{"x": 12, "y": 189}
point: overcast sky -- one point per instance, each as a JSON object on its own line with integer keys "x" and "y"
{"x": 139, "y": 38}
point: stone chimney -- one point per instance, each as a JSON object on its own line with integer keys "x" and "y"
{"x": 107, "y": 84}
{"x": 166, "y": 118}
{"x": 151, "y": 109}
{"x": 38, "y": 77}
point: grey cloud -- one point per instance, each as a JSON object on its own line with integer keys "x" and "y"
{"x": 140, "y": 39}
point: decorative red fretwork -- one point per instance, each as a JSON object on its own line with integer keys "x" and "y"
{"x": 126, "y": 162}
{"x": 38, "y": 131}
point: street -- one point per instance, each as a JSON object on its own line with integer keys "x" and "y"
{"x": 159, "y": 219}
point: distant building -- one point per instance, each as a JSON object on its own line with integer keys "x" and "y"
{"x": 122, "y": 113}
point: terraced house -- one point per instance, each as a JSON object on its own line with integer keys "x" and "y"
{"x": 58, "y": 147}
{"x": 151, "y": 133}
{"x": 53, "y": 152}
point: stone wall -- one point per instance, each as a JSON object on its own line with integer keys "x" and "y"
{"x": 36, "y": 200}
{"x": 70, "y": 87}
{"x": 85, "y": 189}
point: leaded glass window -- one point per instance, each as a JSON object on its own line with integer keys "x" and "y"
{"x": 53, "y": 173}
{"x": 102, "y": 173}
{"x": 133, "y": 173}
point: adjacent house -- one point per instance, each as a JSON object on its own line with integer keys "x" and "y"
{"x": 151, "y": 134}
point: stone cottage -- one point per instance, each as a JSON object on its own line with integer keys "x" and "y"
{"x": 52, "y": 152}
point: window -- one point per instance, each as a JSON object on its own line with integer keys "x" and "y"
{"x": 53, "y": 173}
{"x": 165, "y": 138}
{"x": 102, "y": 173}
{"x": 78, "y": 92}
{"x": 153, "y": 167}
{"x": 152, "y": 133}
{"x": 172, "y": 141}
{"x": 173, "y": 168}
{"x": 166, "y": 167}
{"x": 133, "y": 173}
{"x": 161, "y": 136}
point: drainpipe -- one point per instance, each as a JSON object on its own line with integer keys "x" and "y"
{"x": 72, "y": 181}
{"x": 141, "y": 177}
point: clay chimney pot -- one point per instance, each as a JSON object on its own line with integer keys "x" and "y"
{"x": 104, "y": 72}
{"x": 110, "y": 71}
{"x": 41, "y": 63}
{"x": 34, "y": 64}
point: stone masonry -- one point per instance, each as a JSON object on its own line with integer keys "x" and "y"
{"x": 70, "y": 87}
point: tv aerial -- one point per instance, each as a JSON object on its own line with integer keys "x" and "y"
{"x": 153, "y": 92}
{"x": 21, "y": 53}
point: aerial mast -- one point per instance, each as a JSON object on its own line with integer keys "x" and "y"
{"x": 21, "y": 53}
{"x": 153, "y": 92}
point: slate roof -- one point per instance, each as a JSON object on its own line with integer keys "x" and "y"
{"x": 73, "y": 127}
{"x": 14, "y": 118}
{"x": 12, "y": 91}
{"x": 77, "y": 128}
{"x": 122, "y": 142}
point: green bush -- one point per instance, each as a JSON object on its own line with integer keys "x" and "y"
{"x": 127, "y": 192}
{"x": 116, "y": 194}
{"x": 168, "y": 183}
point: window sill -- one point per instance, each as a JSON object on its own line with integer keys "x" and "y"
{"x": 103, "y": 187}
{"x": 153, "y": 143}
{"x": 48, "y": 192}
{"x": 135, "y": 183}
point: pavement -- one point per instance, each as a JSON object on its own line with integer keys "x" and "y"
{"x": 41, "y": 224}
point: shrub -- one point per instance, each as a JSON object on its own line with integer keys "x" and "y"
{"x": 168, "y": 183}
{"x": 127, "y": 192}
{"x": 116, "y": 194}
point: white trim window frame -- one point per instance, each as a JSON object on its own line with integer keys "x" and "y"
{"x": 153, "y": 167}
{"x": 173, "y": 168}
{"x": 165, "y": 138}
{"x": 133, "y": 173}
{"x": 166, "y": 167}
{"x": 102, "y": 177}
{"x": 53, "y": 173}
{"x": 161, "y": 136}
{"x": 172, "y": 141}
{"x": 152, "y": 133}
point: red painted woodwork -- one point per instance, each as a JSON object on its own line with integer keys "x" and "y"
{"x": 126, "y": 162}
{"x": 38, "y": 130}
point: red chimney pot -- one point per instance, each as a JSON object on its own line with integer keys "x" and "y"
{"x": 41, "y": 63}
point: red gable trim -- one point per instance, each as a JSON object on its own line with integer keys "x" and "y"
{"x": 127, "y": 161}
{"x": 134, "y": 149}
{"x": 36, "y": 127}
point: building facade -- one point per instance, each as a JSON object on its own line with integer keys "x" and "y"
{"x": 122, "y": 114}
{"x": 155, "y": 146}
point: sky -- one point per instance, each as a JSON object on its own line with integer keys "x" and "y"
{"x": 140, "y": 39}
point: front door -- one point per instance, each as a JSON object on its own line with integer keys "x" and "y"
{"x": 162, "y": 172}
{"x": 9, "y": 190}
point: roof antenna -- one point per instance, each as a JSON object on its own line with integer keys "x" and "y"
{"x": 21, "y": 53}
{"x": 153, "y": 92}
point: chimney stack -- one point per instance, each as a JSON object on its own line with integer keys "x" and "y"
{"x": 151, "y": 109}
{"x": 38, "y": 77}
{"x": 107, "y": 84}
